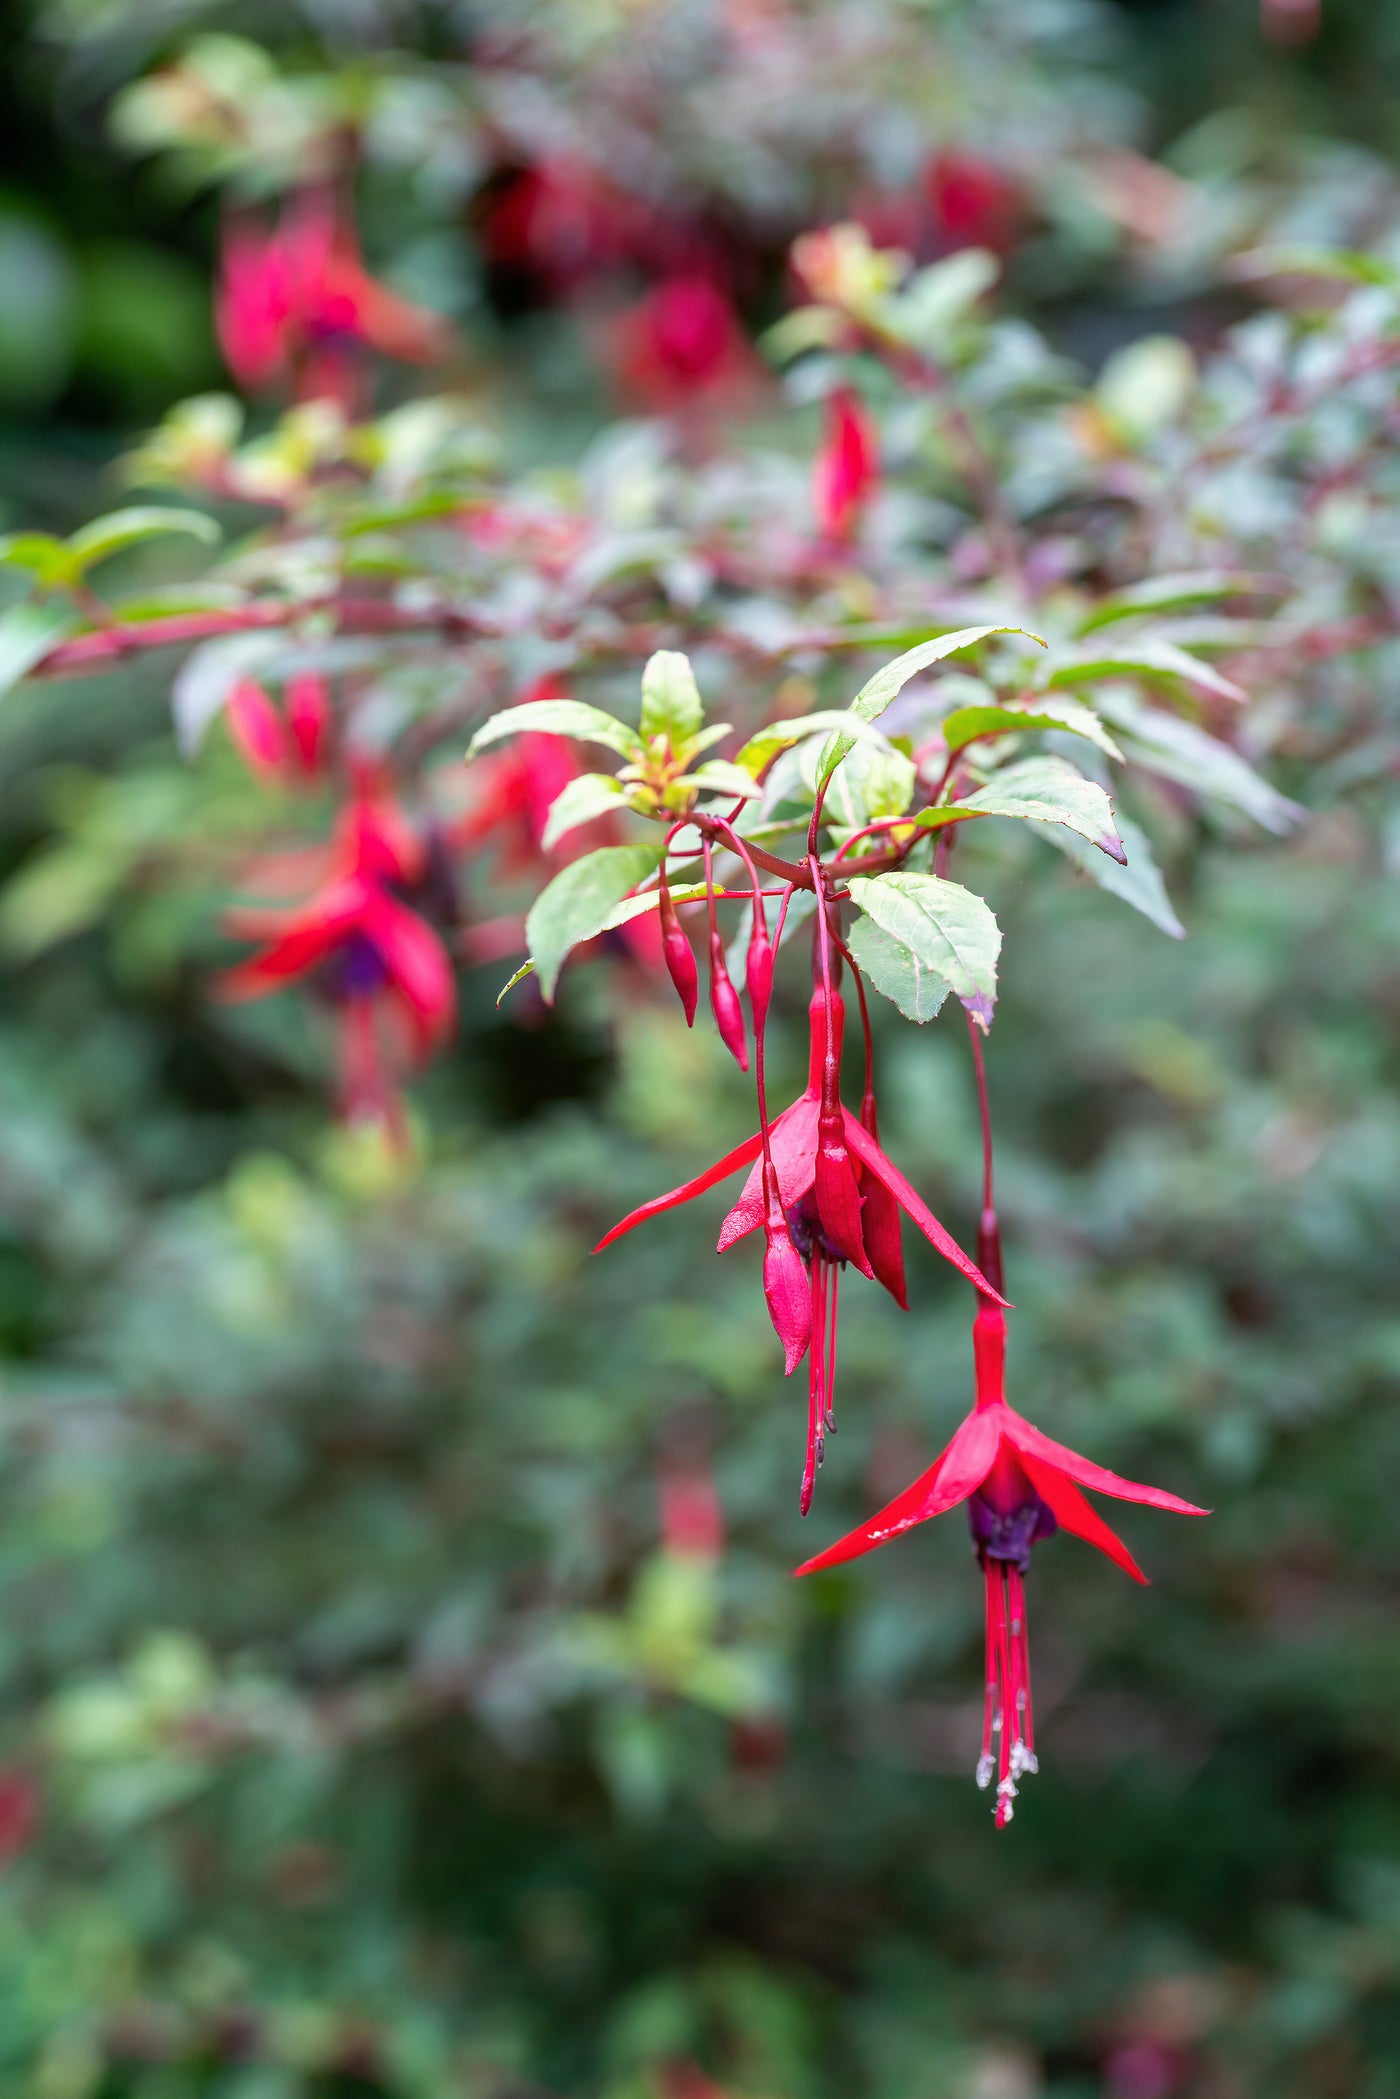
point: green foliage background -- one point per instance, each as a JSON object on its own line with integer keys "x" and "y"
{"x": 380, "y": 1749}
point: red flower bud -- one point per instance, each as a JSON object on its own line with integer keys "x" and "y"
{"x": 680, "y": 961}
{"x": 758, "y": 971}
{"x": 257, "y": 731}
{"x": 309, "y": 719}
{"x": 786, "y": 1284}
{"x": 724, "y": 1003}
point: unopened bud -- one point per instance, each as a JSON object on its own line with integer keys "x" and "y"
{"x": 758, "y": 974}
{"x": 309, "y": 719}
{"x": 680, "y": 961}
{"x": 724, "y": 1003}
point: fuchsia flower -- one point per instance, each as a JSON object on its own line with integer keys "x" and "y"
{"x": 976, "y": 204}
{"x": 835, "y": 1197}
{"x": 1019, "y": 1487}
{"x": 847, "y": 470}
{"x": 381, "y": 966}
{"x": 516, "y": 788}
{"x": 283, "y": 748}
{"x": 683, "y": 338}
{"x": 299, "y": 303}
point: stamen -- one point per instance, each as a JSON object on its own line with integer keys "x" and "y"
{"x": 816, "y": 1380}
{"x": 829, "y": 1409}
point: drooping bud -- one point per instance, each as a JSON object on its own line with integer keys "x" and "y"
{"x": 309, "y": 719}
{"x": 257, "y": 730}
{"x": 724, "y": 1004}
{"x": 758, "y": 971}
{"x": 680, "y": 960}
{"x": 786, "y": 1285}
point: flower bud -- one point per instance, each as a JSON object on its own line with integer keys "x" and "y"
{"x": 309, "y": 719}
{"x": 257, "y": 731}
{"x": 724, "y": 1003}
{"x": 758, "y": 972}
{"x": 786, "y": 1284}
{"x": 680, "y": 961}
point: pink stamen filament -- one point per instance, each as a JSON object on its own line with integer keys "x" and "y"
{"x": 1006, "y": 1713}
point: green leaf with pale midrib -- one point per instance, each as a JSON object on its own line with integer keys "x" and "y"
{"x": 946, "y": 927}
{"x": 576, "y": 904}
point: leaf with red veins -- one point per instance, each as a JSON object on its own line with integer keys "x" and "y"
{"x": 1074, "y": 1514}
{"x": 954, "y": 1474}
{"x": 742, "y": 1155}
{"x": 1033, "y": 1444}
{"x": 914, "y": 1206}
{"x": 792, "y": 1140}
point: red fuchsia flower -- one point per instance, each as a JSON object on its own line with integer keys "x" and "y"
{"x": 382, "y": 967}
{"x": 847, "y": 470}
{"x": 283, "y": 748}
{"x": 298, "y": 303}
{"x": 515, "y": 790}
{"x": 824, "y": 1194}
{"x": 559, "y": 220}
{"x": 683, "y": 338}
{"x": 1019, "y": 1487}
{"x": 975, "y": 204}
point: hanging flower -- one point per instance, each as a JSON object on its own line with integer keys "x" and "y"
{"x": 814, "y": 1215}
{"x": 1019, "y": 1487}
{"x": 297, "y": 304}
{"x": 683, "y": 338}
{"x": 383, "y": 969}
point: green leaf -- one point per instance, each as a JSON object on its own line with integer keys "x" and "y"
{"x": 1175, "y": 593}
{"x": 944, "y": 927}
{"x": 720, "y": 777}
{"x": 876, "y": 780}
{"x": 524, "y": 971}
{"x": 1154, "y": 659}
{"x": 968, "y": 724}
{"x": 559, "y": 718}
{"x": 38, "y": 552}
{"x": 671, "y": 702}
{"x": 577, "y": 902}
{"x": 1178, "y": 750}
{"x": 896, "y": 970}
{"x": 1139, "y": 883}
{"x": 27, "y": 633}
{"x": 1336, "y": 265}
{"x": 1039, "y": 790}
{"x": 633, "y": 906}
{"x": 127, "y": 528}
{"x": 590, "y": 795}
{"x": 762, "y": 748}
{"x": 878, "y": 692}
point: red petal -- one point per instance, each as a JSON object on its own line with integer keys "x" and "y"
{"x": 257, "y": 730}
{"x": 838, "y": 1197}
{"x": 418, "y": 963}
{"x": 870, "y": 1154}
{"x": 741, "y": 1155}
{"x": 1032, "y": 1444}
{"x": 306, "y": 938}
{"x": 1074, "y": 1514}
{"x": 792, "y": 1139}
{"x": 957, "y": 1472}
{"x": 788, "y": 1291}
